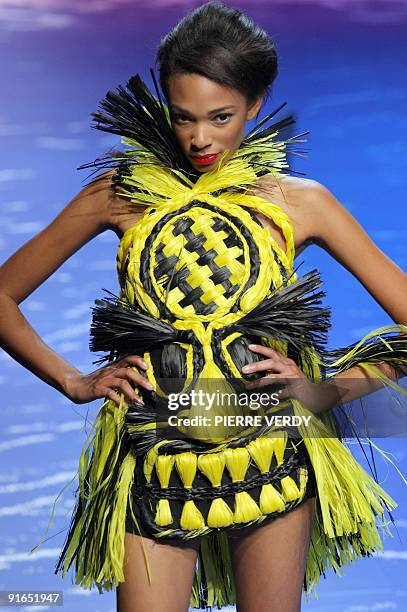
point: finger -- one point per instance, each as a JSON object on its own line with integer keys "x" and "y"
{"x": 139, "y": 379}
{"x": 263, "y": 365}
{"x": 259, "y": 366}
{"x": 125, "y": 386}
{"x": 127, "y": 373}
{"x": 269, "y": 352}
{"x": 264, "y": 350}
{"x": 111, "y": 394}
{"x": 115, "y": 396}
{"x": 135, "y": 360}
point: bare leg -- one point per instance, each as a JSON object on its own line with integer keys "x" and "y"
{"x": 172, "y": 569}
{"x": 269, "y": 562}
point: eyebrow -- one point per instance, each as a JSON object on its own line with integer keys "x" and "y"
{"x": 215, "y": 110}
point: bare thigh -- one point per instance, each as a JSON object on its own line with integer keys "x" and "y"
{"x": 172, "y": 570}
{"x": 269, "y": 562}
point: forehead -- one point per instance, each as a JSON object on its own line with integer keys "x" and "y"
{"x": 196, "y": 92}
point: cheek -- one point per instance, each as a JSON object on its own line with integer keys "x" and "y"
{"x": 180, "y": 136}
{"x": 233, "y": 137}
{"x": 235, "y": 131}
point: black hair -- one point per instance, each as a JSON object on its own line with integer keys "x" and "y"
{"x": 222, "y": 44}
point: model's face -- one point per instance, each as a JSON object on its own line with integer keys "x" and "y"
{"x": 207, "y": 118}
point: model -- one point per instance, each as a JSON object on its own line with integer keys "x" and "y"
{"x": 183, "y": 498}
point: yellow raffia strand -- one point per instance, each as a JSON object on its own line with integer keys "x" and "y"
{"x": 128, "y": 292}
{"x": 278, "y": 345}
{"x": 261, "y": 450}
{"x": 303, "y": 480}
{"x": 151, "y": 459}
{"x": 358, "y": 348}
{"x": 213, "y": 465}
{"x": 158, "y": 184}
{"x": 113, "y": 561}
{"x": 163, "y": 466}
{"x": 191, "y": 517}
{"x": 149, "y": 371}
{"x": 275, "y": 214}
{"x": 279, "y": 445}
{"x": 237, "y": 462}
{"x": 270, "y": 500}
{"x": 269, "y": 150}
{"x": 290, "y": 491}
{"x": 219, "y": 515}
{"x": 246, "y": 509}
{"x": 163, "y": 515}
{"x": 224, "y": 344}
{"x": 214, "y": 561}
{"x": 186, "y": 464}
{"x": 348, "y": 491}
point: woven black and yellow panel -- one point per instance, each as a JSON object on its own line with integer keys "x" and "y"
{"x": 187, "y": 494}
{"x": 203, "y": 271}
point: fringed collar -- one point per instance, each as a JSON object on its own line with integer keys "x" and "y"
{"x": 153, "y": 167}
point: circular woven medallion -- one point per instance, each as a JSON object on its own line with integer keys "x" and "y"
{"x": 198, "y": 262}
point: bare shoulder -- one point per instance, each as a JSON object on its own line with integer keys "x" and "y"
{"x": 297, "y": 197}
{"x": 119, "y": 212}
{"x": 290, "y": 192}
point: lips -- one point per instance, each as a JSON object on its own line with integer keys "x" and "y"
{"x": 205, "y": 159}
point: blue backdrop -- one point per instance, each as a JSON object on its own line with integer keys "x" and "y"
{"x": 341, "y": 70}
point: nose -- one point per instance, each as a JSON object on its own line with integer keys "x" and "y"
{"x": 200, "y": 137}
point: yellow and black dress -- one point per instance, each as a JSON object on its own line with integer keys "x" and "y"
{"x": 200, "y": 279}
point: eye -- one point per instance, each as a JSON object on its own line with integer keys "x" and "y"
{"x": 220, "y": 118}
{"x": 180, "y": 118}
{"x": 224, "y": 117}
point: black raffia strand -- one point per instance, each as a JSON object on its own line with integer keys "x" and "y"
{"x": 111, "y": 470}
{"x": 391, "y": 349}
{"x": 269, "y": 131}
{"x": 252, "y": 134}
{"x": 241, "y": 355}
{"x": 290, "y": 315}
{"x": 133, "y": 112}
{"x": 120, "y": 328}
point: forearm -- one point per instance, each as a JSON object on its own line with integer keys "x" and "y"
{"x": 21, "y": 342}
{"x": 356, "y": 382}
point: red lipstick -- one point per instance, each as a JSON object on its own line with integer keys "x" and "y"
{"x": 205, "y": 159}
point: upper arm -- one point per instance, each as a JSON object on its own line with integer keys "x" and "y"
{"x": 333, "y": 227}
{"x": 86, "y": 215}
